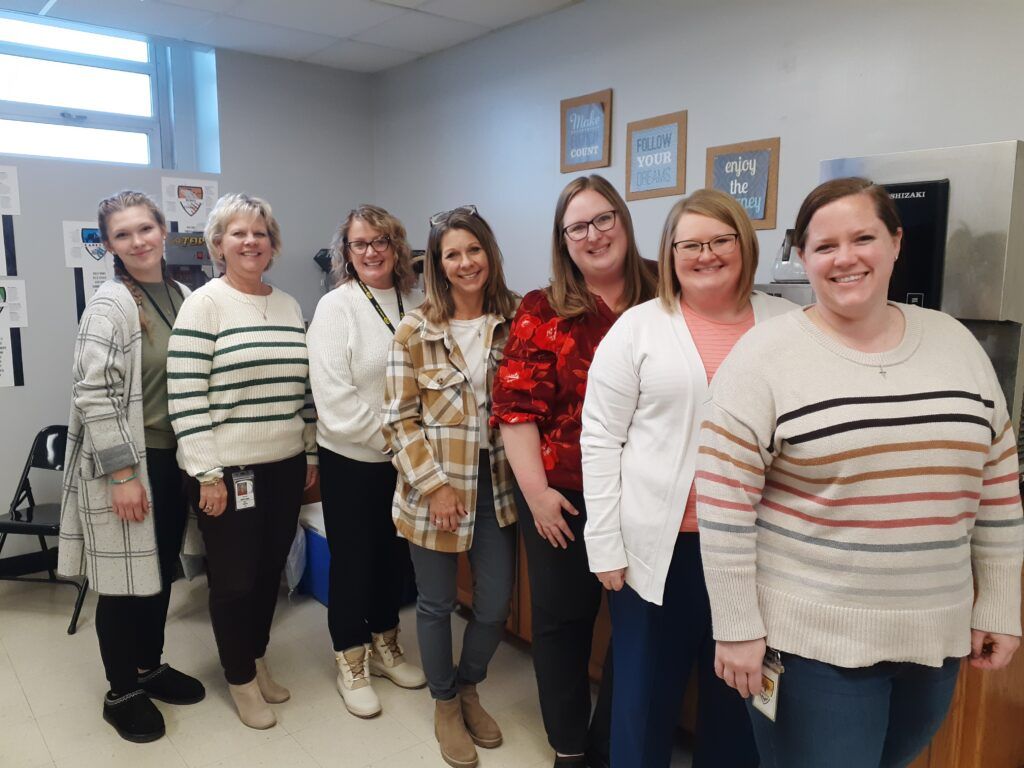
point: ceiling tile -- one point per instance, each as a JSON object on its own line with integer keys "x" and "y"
{"x": 213, "y": 6}
{"x": 24, "y": 6}
{"x": 151, "y": 17}
{"x": 415, "y": 31}
{"x": 493, "y": 13}
{"x": 339, "y": 18}
{"x": 403, "y": 3}
{"x": 264, "y": 39}
{"x": 361, "y": 57}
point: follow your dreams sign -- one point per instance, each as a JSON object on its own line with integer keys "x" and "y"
{"x": 656, "y": 156}
{"x": 586, "y": 131}
{"x": 748, "y": 172}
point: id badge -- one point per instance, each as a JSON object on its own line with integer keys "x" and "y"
{"x": 245, "y": 489}
{"x": 766, "y": 702}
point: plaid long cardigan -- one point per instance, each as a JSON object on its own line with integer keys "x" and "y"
{"x": 431, "y": 424}
{"x": 106, "y": 433}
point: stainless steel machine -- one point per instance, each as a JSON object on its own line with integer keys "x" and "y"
{"x": 963, "y": 243}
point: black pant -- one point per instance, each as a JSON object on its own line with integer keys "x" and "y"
{"x": 245, "y": 553}
{"x": 131, "y": 629}
{"x": 565, "y": 598}
{"x": 369, "y": 562}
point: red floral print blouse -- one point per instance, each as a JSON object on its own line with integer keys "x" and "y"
{"x": 543, "y": 379}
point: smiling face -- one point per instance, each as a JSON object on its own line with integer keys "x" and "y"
{"x": 715, "y": 277}
{"x": 374, "y": 268}
{"x": 599, "y": 256}
{"x": 138, "y": 239}
{"x": 464, "y": 264}
{"x": 849, "y": 256}
{"x": 246, "y": 247}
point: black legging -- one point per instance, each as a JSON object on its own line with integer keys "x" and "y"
{"x": 131, "y": 629}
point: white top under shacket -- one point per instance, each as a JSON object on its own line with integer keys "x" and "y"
{"x": 348, "y": 351}
{"x": 469, "y": 335}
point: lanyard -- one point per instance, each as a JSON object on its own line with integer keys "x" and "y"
{"x": 156, "y": 306}
{"x": 380, "y": 310}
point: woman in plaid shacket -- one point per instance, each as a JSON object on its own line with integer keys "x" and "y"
{"x": 454, "y": 489}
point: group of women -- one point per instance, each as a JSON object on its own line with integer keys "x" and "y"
{"x": 698, "y": 449}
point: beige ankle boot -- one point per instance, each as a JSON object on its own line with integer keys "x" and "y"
{"x": 273, "y": 692}
{"x": 354, "y": 682}
{"x": 456, "y": 745}
{"x": 387, "y": 659}
{"x": 481, "y": 726}
{"x": 252, "y": 707}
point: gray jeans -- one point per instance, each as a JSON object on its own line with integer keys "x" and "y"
{"x": 492, "y": 559}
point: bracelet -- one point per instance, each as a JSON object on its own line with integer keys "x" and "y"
{"x": 132, "y": 476}
{"x": 211, "y": 481}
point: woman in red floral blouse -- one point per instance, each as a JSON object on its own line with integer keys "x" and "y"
{"x": 597, "y": 273}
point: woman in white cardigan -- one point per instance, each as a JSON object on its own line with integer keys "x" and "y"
{"x": 641, "y": 420}
{"x": 349, "y": 340}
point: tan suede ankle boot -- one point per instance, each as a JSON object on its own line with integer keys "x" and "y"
{"x": 253, "y": 709}
{"x": 481, "y": 726}
{"x": 273, "y": 692}
{"x": 456, "y": 745}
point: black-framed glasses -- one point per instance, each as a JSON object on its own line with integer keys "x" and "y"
{"x": 579, "y": 230}
{"x": 359, "y": 247}
{"x": 441, "y": 217}
{"x": 722, "y": 245}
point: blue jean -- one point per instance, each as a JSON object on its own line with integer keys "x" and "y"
{"x": 655, "y": 647}
{"x": 879, "y": 716}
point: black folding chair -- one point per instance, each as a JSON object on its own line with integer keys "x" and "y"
{"x": 26, "y": 518}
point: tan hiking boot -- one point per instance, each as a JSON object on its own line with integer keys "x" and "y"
{"x": 253, "y": 709}
{"x": 456, "y": 745}
{"x": 481, "y": 726}
{"x": 354, "y": 681}
{"x": 273, "y": 692}
{"x": 387, "y": 659}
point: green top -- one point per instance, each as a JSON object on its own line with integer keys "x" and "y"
{"x": 154, "y": 362}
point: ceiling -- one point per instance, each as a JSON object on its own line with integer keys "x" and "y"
{"x": 356, "y": 35}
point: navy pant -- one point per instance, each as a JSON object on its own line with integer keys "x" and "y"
{"x": 882, "y": 715}
{"x": 655, "y": 648}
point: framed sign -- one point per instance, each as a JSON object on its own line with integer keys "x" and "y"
{"x": 586, "y": 131}
{"x": 656, "y": 156}
{"x": 750, "y": 173}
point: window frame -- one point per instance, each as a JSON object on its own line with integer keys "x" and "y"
{"x": 157, "y": 127}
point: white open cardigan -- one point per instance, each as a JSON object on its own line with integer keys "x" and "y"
{"x": 646, "y": 392}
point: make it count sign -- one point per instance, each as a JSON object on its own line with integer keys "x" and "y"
{"x": 586, "y": 131}
{"x": 656, "y": 156}
{"x": 748, "y": 172}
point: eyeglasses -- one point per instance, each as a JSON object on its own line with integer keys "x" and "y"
{"x": 359, "y": 247}
{"x": 722, "y": 245}
{"x": 441, "y": 217}
{"x": 579, "y": 231}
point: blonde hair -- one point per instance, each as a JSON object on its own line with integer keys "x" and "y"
{"x": 439, "y": 306}
{"x": 122, "y": 201}
{"x": 386, "y": 224}
{"x": 228, "y": 208}
{"x": 721, "y": 207}
{"x": 567, "y": 293}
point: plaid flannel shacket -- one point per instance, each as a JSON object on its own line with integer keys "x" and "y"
{"x": 431, "y": 424}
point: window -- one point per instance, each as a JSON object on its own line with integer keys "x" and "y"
{"x": 68, "y": 91}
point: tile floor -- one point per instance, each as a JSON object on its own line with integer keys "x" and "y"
{"x": 51, "y": 687}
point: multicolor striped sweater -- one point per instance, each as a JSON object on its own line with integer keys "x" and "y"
{"x": 238, "y": 380}
{"x": 857, "y": 508}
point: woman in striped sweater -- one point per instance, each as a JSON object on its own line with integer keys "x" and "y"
{"x": 858, "y": 503}
{"x": 237, "y": 378}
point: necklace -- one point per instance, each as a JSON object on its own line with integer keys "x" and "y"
{"x": 250, "y": 302}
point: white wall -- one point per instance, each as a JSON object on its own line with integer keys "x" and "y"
{"x": 288, "y": 133}
{"x": 479, "y": 123}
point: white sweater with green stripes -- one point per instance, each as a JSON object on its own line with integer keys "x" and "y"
{"x": 238, "y": 380}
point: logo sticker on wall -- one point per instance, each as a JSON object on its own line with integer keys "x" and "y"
{"x": 191, "y": 198}
{"x": 93, "y": 243}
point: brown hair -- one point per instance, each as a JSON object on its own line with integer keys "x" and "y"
{"x": 122, "y": 201}
{"x": 721, "y": 207}
{"x": 836, "y": 189}
{"x": 568, "y": 294}
{"x": 498, "y": 299}
{"x": 384, "y": 223}
{"x": 231, "y": 206}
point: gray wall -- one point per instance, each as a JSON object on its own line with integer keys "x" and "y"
{"x": 479, "y": 123}
{"x": 287, "y": 133}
